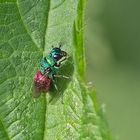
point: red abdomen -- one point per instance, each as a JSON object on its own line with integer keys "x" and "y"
{"x": 41, "y": 83}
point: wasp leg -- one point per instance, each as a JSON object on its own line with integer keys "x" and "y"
{"x": 55, "y": 85}
{"x": 59, "y": 63}
{"x": 63, "y": 59}
{"x": 61, "y": 76}
{"x": 54, "y": 82}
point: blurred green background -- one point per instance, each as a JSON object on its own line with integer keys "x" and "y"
{"x": 113, "y": 62}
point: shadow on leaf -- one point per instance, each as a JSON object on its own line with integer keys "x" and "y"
{"x": 62, "y": 83}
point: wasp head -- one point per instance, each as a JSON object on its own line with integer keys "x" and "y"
{"x": 57, "y": 53}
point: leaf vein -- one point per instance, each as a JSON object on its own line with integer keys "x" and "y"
{"x": 8, "y": 137}
{"x": 25, "y": 25}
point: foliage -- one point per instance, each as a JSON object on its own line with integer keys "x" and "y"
{"x": 27, "y": 31}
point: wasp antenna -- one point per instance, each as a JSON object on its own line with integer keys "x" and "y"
{"x": 60, "y": 46}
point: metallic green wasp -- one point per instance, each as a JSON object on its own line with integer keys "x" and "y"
{"x": 49, "y": 68}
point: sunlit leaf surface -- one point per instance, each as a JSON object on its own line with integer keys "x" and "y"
{"x": 28, "y": 28}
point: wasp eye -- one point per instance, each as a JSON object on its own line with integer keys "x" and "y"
{"x": 56, "y": 56}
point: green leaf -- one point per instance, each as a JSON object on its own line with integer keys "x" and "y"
{"x": 28, "y": 28}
